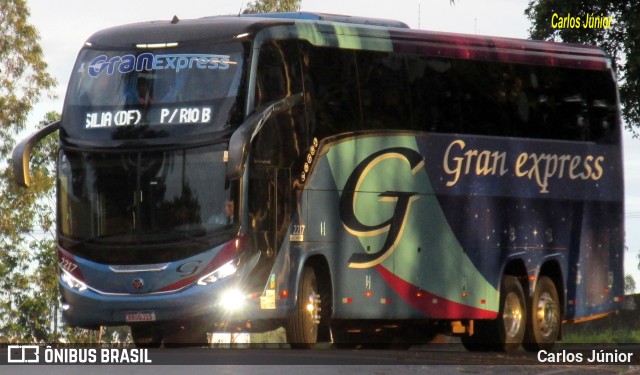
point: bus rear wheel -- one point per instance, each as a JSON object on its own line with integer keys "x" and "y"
{"x": 513, "y": 314}
{"x": 506, "y": 332}
{"x": 302, "y": 327}
{"x": 543, "y": 325}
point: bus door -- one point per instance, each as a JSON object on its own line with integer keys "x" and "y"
{"x": 276, "y": 152}
{"x": 271, "y": 198}
{"x": 261, "y": 206}
{"x": 269, "y": 207}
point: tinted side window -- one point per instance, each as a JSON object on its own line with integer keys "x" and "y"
{"x": 364, "y": 90}
{"x": 489, "y": 98}
{"x": 383, "y": 90}
{"x": 279, "y": 74}
{"x": 332, "y": 86}
{"x": 285, "y": 136}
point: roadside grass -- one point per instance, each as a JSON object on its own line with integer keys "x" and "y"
{"x": 602, "y": 336}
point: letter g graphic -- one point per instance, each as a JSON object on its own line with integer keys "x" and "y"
{"x": 394, "y": 226}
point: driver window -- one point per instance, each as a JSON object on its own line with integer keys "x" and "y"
{"x": 279, "y": 74}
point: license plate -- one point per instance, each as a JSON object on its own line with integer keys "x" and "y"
{"x": 140, "y": 316}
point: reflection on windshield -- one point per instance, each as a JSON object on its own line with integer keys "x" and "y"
{"x": 143, "y": 197}
{"x": 104, "y": 83}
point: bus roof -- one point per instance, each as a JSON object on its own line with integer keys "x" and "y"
{"x": 394, "y": 35}
{"x": 331, "y": 18}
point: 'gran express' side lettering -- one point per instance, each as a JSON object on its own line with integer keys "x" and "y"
{"x": 486, "y": 162}
{"x": 541, "y": 168}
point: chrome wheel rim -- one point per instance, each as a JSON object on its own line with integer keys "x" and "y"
{"x": 513, "y": 315}
{"x": 547, "y": 314}
{"x": 313, "y": 307}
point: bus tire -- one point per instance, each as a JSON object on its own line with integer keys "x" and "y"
{"x": 507, "y": 331}
{"x": 146, "y": 335}
{"x": 543, "y": 324}
{"x": 512, "y": 320}
{"x": 302, "y": 327}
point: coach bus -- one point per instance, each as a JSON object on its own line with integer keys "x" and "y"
{"x": 349, "y": 179}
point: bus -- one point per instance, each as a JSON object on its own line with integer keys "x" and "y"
{"x": 349, "y": 179}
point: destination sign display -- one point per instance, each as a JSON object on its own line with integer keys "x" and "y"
{"x": 153, "y": 116}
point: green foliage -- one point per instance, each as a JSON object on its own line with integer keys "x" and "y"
{"x": 605, "y": 336}
{"x": 23, "y": 75}
{"x": 266, "y": 6}
{"x": 29, "y": 304}
{"x": 629, "y": 284}
{"x": 621, "y": 41}
{"x": 28, "y": 283}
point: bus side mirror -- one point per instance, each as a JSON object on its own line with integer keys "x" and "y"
{"x": 22, "y": 152}
{"x": 241, "y": 138}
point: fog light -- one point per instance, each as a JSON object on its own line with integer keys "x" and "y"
{"x": 232, "y": 300}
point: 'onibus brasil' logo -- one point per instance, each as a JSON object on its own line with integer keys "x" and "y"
{"x": 395, "y": 225}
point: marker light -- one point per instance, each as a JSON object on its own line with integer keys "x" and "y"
{"x": 223, "y": 271}
{"x": 72, "y": 282}
{"x": 284, "y": 294}
{"x": 156, "y": 45}
{"x": 232, "y": 300}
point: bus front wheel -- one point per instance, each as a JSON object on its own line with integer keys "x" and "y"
{"x": 302, "y": 328}
{"x": 543, "y": 325}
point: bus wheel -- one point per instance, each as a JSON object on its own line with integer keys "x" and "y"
{"x": 146, "y": 335}
{"x": 512, "y": 321}
{"x": 543, "y": 325}
{"x": 302, "y": 328}
{"x": 506, "y": 332}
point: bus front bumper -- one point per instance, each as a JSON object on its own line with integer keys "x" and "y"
{"x": 219, "y": 303}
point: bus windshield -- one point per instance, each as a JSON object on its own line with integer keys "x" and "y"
{"x": 143, "y": 197}
{"x": 150, "y": 93}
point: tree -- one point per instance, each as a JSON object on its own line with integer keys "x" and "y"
{"x": 629, "y": 284}
{"x": 266, "y": 6}
{"x": 27, "y": 249}
{"x": 621, "y": 41}
{"x": 29, "y": 302}
{"x": 23, "y": 75}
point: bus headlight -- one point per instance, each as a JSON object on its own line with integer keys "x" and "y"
{"x": 72, "y": 282}
{"x": 223, "y": 271}
{"x": 232, "y": 300}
